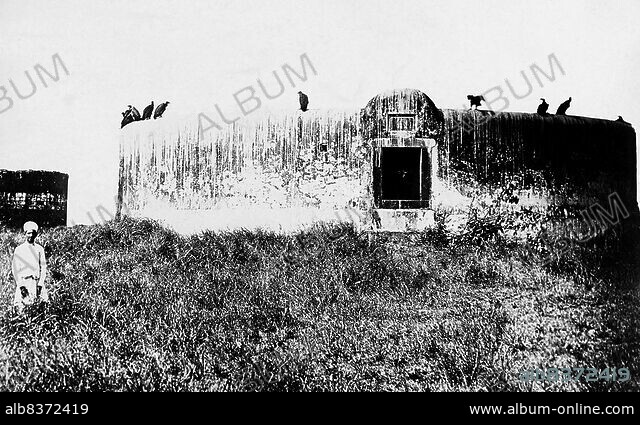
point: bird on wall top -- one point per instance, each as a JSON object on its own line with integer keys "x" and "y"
{"x": 160, "y": 110}
{"x": 126, "y": 119}
{"x": 134, "y": 113}
{"x": 304, "y": 101}
{"x": 562, "y": 109}
{"x": 146, "y": 114}
{"x": 620, "y": 119}
{"x": 543, "y": 107}
{"x": 474, "y": 101}
{"x": 129, "y": 116}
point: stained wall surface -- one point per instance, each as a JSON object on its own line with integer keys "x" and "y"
{"x": 562, "y": 161}
{"x": 282, "y": 170}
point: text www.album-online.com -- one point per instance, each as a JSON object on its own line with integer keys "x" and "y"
{"x": 576, "y": 409}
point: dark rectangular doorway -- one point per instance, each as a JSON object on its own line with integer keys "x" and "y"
{"x": 402, "y": 177}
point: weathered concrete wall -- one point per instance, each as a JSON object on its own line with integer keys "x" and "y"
{"x": 375, "y": 114}
{"x": 281, "y": 171}
{"x": 39, "y": 196}
{"x": 553, "y": 162}
{"x": 304, "y": 164}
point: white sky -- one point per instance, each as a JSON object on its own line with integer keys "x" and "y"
{"x": 198, "y": 53}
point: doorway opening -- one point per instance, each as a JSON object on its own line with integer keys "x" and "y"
{"x": 402, "y": 177}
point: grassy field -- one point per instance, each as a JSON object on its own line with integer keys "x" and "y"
{"x": 137, "y": 307}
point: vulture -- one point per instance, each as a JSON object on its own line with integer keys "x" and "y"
{"x": 542, "y": 108}
{"x": 304, "y": 101}
{"x": 129, "y": 116}
{"x": 146, "y": 114}
{"x": 474, "y": 101}
{"x": 126, "y": 119}
{"x": 135, "y": 113}
{"x": 160, "y": 110}
{"x": 620, "y": 119}
{"x": 562, "y": 109}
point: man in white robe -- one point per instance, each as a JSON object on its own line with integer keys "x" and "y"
{"x": 29, "y": 267}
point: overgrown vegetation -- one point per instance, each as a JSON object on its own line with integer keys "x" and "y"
{"x": 137, "y": 307}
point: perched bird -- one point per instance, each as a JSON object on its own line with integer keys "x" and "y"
{"x": 304, "y": 101}
{"x": 126, "y": 119}
{"x": 474, "y": 101}
{"x": 160, "y": 110}
{"x": 562, "y": 109}
{"x": 621, "y": 120}
{"x": 135, "y": 113}
{"x": 129, "y": 116}
{"x": 542, "y": 108}
{"x": 146, "y": 114}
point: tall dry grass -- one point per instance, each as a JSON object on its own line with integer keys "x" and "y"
{"x": 137, "y": 307}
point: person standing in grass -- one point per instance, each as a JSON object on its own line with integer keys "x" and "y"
{"x": 29, "y": 267}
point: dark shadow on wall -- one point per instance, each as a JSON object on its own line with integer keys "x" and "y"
{"x": 580, "y": 160}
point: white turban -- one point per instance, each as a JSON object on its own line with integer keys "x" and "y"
{"x": 30, "y": 225}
